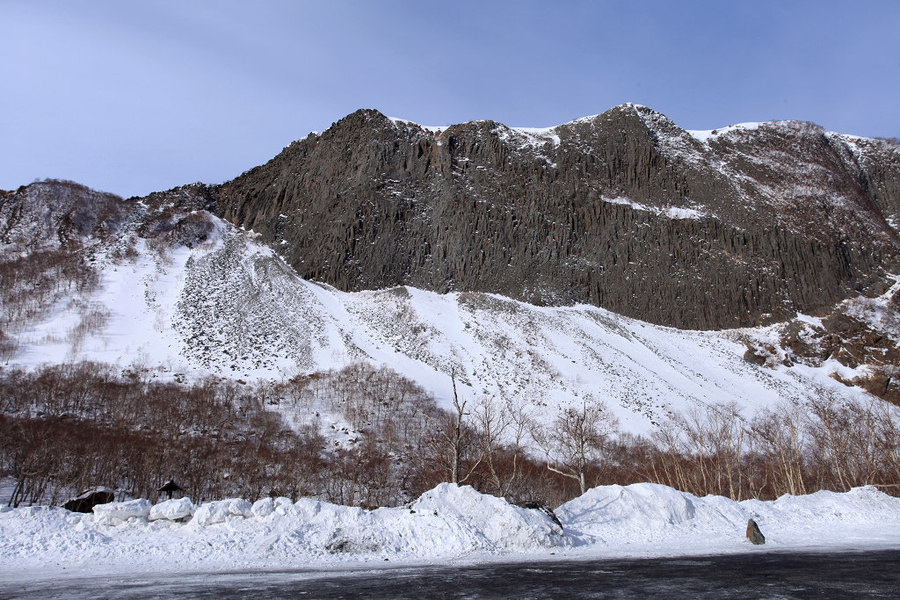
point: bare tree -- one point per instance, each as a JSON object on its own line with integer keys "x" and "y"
{"x": 456, "y": 438}
{"x": 502, "y": 429}
{"x": 777, "y": 436}
{"x": 576, "y": 440}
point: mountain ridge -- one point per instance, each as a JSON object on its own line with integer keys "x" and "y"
{"x": 482, "y": 207}
{"x": 659, "y": 248}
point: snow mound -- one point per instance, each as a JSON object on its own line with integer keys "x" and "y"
{"x": 644, "y": 513}
{"x": 460, "y": 519}
{"x": 115, "y": 513}
{"x": 172, "y": 510}
{"x": 221, "y": 511}
{"x": 449, "y": 520}
{"x": 448, "y": 523}
{"x": 848, "y": 513}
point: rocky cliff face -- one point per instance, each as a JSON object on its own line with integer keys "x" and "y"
{"x": 624, "y": 210}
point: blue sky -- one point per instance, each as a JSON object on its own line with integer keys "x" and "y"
{"x": 133, "y": 97}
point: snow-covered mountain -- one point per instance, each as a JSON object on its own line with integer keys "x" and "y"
{"x": 176, "y": 291}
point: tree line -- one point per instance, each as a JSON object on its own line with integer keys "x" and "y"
{"x": 369, "y": 437}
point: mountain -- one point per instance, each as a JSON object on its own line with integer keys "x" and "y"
{"x": 624, "y": 210}
{"x": 731, "y": 296}
{"x": 162, "y": 286}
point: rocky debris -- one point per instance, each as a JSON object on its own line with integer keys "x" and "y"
{"x": 623, "y": 210}
{"x": 862, "y": 334}
{"x": 86, "y": 502}
{"x": 754, "y": 534}
{"x": 190, "y": 197}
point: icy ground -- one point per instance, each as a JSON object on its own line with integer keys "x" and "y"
{"x": 447, "y": 525}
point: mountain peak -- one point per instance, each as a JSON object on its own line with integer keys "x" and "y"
{"x": 600, "y": 210}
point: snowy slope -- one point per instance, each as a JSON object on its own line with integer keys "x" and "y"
{"x": 229, "y": 306}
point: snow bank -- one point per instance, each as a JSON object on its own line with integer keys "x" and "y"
{"x": 448, "y": 520}
{"x": 448, "y": 523}
{"x": 172, "y": 510}
{"x": 114, "y": 513}
{"x": 643, "y": 512}
{"x": 221, "y": 511}
{"x": 459, "y": 520}
{"x": 649, "y": 516}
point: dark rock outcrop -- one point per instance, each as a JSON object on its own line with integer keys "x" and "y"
{"x": 55, "y": 213}
{"x": 623, "y": 210}
{"x": 86, "y": 502}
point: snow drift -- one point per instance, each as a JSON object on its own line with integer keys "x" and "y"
{"x": 653, "y": 514}
{"x": 448, "y": 523}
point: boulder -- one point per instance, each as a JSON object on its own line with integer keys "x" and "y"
{"x": 754, "y": 534}
{"x": 86, "y": 502}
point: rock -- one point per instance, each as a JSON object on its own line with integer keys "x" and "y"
{"x": 86, "y": 502}
{"x": 754, "y": 534}
{"x": 623, "y": 210}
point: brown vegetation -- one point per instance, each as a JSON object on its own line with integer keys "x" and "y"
{"x": 71, "y": 427}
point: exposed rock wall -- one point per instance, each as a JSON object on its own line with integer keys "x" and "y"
{"x": 624, "y": 210}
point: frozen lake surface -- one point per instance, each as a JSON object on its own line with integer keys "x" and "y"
{"x": 779, "y": 575}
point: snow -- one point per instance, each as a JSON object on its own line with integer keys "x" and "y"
{"x": 706, "y": 135}
{"x": 539, "y": 135}
{"x": 172, "y": 314}
{"x": 116, "y": 513}
{"x": 435, "y": 129}
{"x": 876, "y": 312}
{"x": 672, "y": 212}
{"x": 172, "y": 510}
{"x": 658, "y": 519}
{"x": 220, "y": 511}
{"x": 810, "y": 320}
{"x": 447, "y": 524}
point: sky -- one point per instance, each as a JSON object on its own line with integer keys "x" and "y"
{"x": 140, "y": 96}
